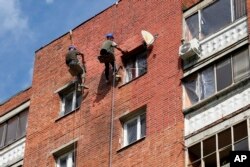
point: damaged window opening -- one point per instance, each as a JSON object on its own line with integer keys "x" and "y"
{"x": 135, "y": 65}
{"x": 215, "y": 150}
{"x": 213, "y": 18}
{"x": 216, "y": 77}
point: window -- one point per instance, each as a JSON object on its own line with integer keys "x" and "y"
{"x": 66, "y": 160}
{"x": 216, "y": 77}
{"x": 135, "y": 65}
{"x": 13, "y": 129}
{"x": 134, "y": 129}
{"x": 218, "y": 147}
{"x": 213, "y": 18}
{"x": 71, "y": 99}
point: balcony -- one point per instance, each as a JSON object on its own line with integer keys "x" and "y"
{"x": 224, "y": 38}
{"x": 12, "y": 153}
{"x": 209, "y": 114}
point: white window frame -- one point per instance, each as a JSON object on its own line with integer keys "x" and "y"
{"x": 69, "y": 159}
{"x": 138, "y": 129}
{"x": 64, "y": 96}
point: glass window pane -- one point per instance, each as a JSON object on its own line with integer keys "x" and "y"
{"x": 224, "y": 138}
{"x": 240, "y": 131}
{"x": 241, "y": 65}
{"x": 143, "y": 125}
{"x": 241, "y": 145}
{"x": 192, "y": 27}
{"x": 223, "y": 74}
{"x": 191, "y": 88}
{"x": 225, "y": 156}
{"x": 210, "y": 161}
{"x": 209, "y": 146}
{"x": 130, "y": 70}
{"x": 22, "y": 124}
{"x": 68, "y": 103}
{"x": 215, "y": 17}
{"x": 239, "y": 8}
{"x": 207, "y": 82}
{"x": 78, "y": 99}
{"x": 194, "y": 152}
{"x": 63, "y": 162}
{"x": 132, "y": 131}
{"x": 1, "y": 134}
{"x": 142, "y": 63}
{"x": 11, "y": 130}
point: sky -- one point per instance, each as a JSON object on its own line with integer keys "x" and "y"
{"x": 26, "y": 26}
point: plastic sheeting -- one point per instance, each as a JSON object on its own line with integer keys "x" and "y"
{"x": 199, "y": 86}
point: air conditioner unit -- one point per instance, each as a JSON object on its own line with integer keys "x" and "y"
{"x": 189, "y": 49}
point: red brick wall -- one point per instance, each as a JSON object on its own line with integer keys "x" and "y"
{"x": 159, "y": 89}
{"x": 188, "y": 3}
{"x": 15, "y": 101}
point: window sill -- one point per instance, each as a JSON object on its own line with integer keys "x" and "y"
{"x": 62, "y": 116}
{"x": 123, "y": 84}
{"x": 231, "y": 90}
{"x": 131, "y": 144}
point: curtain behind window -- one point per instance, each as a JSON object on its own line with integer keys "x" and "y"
{"x": 239, "y": 8}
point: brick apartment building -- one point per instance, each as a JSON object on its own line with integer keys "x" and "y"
{"x": 184, "y": 101}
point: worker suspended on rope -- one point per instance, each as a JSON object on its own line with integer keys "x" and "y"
{"x": 107, "y": 54}
{"x": 75, "y": 67}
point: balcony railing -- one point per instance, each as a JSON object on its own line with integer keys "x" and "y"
{"x": 12, "y": 153}
{"x": 224, "y": 38}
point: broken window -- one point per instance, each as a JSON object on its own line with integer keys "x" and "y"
{"x": 217, "y": 147}
{"x": 71, "y": 99}
{"x": 225, "y": 146}
{"x": 194, "y": 153}
{"x": 241, "y": 137}
{"x": 216, "y": 77}
{"x": 212, "y": 18}
{"x": 135, "y": 65}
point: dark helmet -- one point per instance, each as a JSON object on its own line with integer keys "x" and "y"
{"x": 109, "y": 35}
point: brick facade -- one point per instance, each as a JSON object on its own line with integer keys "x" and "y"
{"x": 159, "y": 89}
{"x": 15, "y": 101}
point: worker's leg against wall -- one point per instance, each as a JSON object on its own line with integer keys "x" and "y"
{"x": 107, "y": 71}
{"x": 113, "y": 66}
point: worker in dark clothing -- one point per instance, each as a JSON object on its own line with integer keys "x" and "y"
{"x": 107, "y": 49}
{"x": 75, "y": 67}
